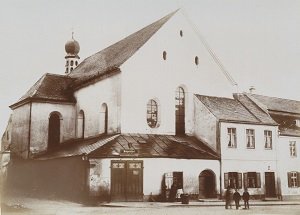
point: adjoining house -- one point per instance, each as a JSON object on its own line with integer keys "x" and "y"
{"x": 246, "y": 143}
{"x": 286, "y": 113}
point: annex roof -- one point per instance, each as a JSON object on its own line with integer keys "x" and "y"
{"x": 50, "y": 87}
{"x": 231, "y": 110}
{"x": 138, "y": 146}
{"x": 277, "y": 104}
{"x": 115, "y": 55}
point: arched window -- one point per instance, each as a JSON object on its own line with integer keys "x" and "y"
{"x": 54, "y": 130}
{"x": 181, "y": 33}
{"x": 152, "y": 113}
{"x": 76, "y": 63}
{"x": 103, "y": 119}
{"x": 71, "y": 69}
{"x": 180, "y": 111}
{"x": 80, "y": 124}
{"x": 72, "y": 63}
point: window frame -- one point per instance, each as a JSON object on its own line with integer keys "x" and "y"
{"x": 255, "y": 180}
{"x": 231, "y": 135}
{"x": 235, "y": 177}
{"x": 152, "y": 113}
{"x": 293, "y": 149}
{"x": 293, "y": 179}
{"x": 251, "y": 144}
{"x": 268, "y": 136}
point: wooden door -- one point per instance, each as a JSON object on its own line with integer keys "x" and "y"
{"x": 134, "y": 189}
{"x": 270, "y": 184}
{"x": 127, "y": 180}
{"x": 118, "y": 180}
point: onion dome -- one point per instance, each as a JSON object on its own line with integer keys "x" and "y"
{"x": 72, "y": 47}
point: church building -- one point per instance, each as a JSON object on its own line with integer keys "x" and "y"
{"x": 129, "y": 122}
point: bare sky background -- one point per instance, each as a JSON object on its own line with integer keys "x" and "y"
{"x": 258, "y": 41}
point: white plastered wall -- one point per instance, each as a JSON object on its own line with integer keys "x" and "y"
{"x": 146, "y": 76}
{"x": 286, "y": 164}
{"x": 154, "y": 169}
{"x": 90, "y": 99}
{"x": 241, "y": 159}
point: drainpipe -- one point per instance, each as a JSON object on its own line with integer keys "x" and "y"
{"x": 220, "y": 148}
{"x": 29, "y": 130}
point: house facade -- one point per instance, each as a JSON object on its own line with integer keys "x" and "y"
{"x": 287, "y": 114}
{"x": 246, "y": 144}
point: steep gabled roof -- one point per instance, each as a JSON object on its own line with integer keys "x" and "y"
{"x": 115, "y": 55}
{"x": 50, "y": 87}
{"x": 260, "y": 113}
{"x": 277, "y": 104}
{"x": 231, "y": 110}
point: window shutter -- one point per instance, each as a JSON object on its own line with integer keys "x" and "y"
{"x": 289, "y": 179}
{"x": 258, "y": 184}
{"x": 239, "y": 180}
{"x": 225, "y": 180}
{"x": 245, "y": 180}
{"x": 298, "y": 179}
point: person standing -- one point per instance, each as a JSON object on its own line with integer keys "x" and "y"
{"x": 237, "y": 198}
{"x": 227, "y": 198}
{"x": 246, "y": 197}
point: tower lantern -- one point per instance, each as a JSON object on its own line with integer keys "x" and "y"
{"x": 72, "y": 49}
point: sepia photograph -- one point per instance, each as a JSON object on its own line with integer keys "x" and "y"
{"x": 168, "y": 107}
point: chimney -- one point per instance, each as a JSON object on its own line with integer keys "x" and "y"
{"x": 252, "y": 89}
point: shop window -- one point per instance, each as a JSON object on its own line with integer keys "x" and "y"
{"x": 252, "y": 180}
{"x": 233, "y": 180}
{"x": 294, "y": 179}
{"x": 250, "y": 135}
{"x": 231, "y": 135}
{"x": 268, "y": 139}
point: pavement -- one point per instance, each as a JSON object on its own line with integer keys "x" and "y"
{"x": 201, "y": 203}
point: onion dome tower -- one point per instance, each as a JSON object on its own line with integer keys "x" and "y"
{"x": 72, "y": 48}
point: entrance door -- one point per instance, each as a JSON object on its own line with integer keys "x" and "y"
{"x": 127, "y": 180}
{"x": 270, "y": 184}
{"x": 54, "y": 131}
{"x": 207, "y": 184}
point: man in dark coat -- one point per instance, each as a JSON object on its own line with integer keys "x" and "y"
{"x": 246, "y": 197}
{"x": 227, "y": 198}
{"x": 237, "y": 198}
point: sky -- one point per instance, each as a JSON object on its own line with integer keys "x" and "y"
{"x": 257, "y": 41}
